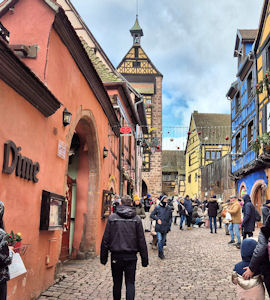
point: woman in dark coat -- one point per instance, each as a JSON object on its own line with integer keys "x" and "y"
{"x": 5, "y": 258}
{"x": 260, "y": 263}
{"x": 266, "y": 210}
{"x": 213, "y": 207}
{"x": 248, "y": 224}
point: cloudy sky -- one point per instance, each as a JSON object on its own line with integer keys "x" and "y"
{"x": 190, "y": 42}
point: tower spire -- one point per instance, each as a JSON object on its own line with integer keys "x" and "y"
{"x": 136, "y": 32}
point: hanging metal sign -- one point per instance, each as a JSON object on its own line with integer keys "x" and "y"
{"x": 125, "y": 130}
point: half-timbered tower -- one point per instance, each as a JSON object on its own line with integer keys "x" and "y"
{"x": 138, "y": 69}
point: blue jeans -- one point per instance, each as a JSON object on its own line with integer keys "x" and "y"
{"x": 198, "y": 220}
{"x": 215, "y": 223}
{"x": 234, "y": 229}
{"x": 182, "y": 219}
{"x": 161, "y": 238}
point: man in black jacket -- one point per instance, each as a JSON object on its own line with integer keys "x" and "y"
{"x": 163, "y": 216}
{"x": 124, "y": 237}
{"x": 248, "y": 223}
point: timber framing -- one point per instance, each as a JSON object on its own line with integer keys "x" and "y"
{"x": 69, "y": 37}
{"x": 123, "y": 90}
{"x": 19, "y": 77}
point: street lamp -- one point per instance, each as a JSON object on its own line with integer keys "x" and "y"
{"x": 66, "y": 117}
{"x": 105, "y": 152}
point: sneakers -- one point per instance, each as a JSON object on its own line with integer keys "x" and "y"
{"x": 238, "y": 245}
{"x": 161, "y": 256}
{"x": 231, "y": 242}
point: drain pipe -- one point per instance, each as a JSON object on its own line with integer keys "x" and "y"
{"x": 120, "y": 163}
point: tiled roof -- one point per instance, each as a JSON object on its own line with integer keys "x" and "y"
{"x": 248, "y": 34}
{"x": 103, "y": 71}
{"x": 173, "y": 161}
{"x": 213, "y": 128}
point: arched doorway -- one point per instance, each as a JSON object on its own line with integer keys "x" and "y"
{"x": 82, "y": 191}
{"x": 144, "y": 188}
{"x": 242, "y": 188}
{"x": 71, "y": 199}
{"x": 259, "y": 195}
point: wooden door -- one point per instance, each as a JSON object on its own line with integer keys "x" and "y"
{"x": 260, "y": 198}
{"x": 66, "y": 231}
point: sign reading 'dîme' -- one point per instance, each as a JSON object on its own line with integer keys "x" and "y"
{"x": 25, "y": 168}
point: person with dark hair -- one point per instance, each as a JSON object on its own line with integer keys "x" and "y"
{"x": 252, "y": 288}
{"x": 260, "y": 262}
{"x": 248, "y": 223}
{"x": 124, "y": 237}
{"x": 5, "y": 256}
{"x": 213, "y": 207}
{"x": 163, "y": 216}
{"x": 189, "y": 208}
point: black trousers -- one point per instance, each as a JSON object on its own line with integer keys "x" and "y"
{"x": 245, "y": 234}
{"x": 120, "y": 267}
{"x": 220, "y": 222}
{"x": 189, "y": 219}
{"x": 3, "y": 291}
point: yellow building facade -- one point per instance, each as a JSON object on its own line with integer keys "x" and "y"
{"x": 262, "y": 53}
{"x": 208, "y": 140}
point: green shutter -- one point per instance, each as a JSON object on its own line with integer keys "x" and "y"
{"x": 264, "y": 59}
{"x": 264, "y": 120}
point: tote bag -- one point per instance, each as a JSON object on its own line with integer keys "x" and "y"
{"x": 16, "y": 268}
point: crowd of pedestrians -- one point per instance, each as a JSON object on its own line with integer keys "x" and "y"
{"x": 157, "y": 215}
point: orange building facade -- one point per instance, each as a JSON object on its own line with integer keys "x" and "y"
{"x": 55, "y": 178}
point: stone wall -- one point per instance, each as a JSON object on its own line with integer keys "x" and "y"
{"x": 153, "y": 179}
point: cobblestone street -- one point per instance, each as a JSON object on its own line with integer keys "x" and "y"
{"x": 198, "y": 265}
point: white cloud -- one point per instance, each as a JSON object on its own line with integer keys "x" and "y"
{"x": 190, "y": 42}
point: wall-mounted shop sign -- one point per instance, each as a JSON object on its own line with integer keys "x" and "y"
{"x": 106, "y": 204}
{"x": 23, "y": 166}
{"x": 52, "y": 212}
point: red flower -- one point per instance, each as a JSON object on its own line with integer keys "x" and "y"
{"x": 189, "y": 133}
{"x": 226, "y": 138}
{"x": 158, "y": 147}
{"x": 199, "y": 133}
{"x": 14, "y": 237}
{"x": 266, "y": 74}
{"x": 10, "y": 235}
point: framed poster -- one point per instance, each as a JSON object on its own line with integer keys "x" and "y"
{"x": 106, "y": 204}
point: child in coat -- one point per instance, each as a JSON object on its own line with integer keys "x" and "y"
{"x": 253, "y": 288}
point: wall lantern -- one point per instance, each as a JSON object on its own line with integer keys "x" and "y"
{"x": 105, "y": 152}
{"x": 66, "y": 117}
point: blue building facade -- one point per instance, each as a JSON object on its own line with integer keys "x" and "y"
{"x": 244, "y": 114}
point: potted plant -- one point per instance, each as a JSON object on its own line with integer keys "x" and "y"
{"x": 263, "y": 140}
{"x": 15, "y": 240}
